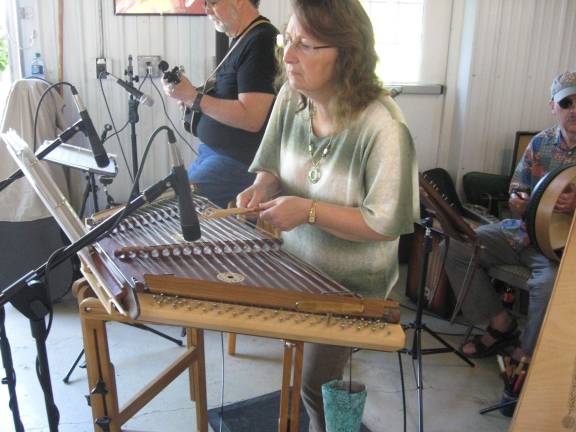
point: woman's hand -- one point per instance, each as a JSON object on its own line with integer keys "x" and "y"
{"x": 285, "y": 213}
{"x": 184, "y": 91}
{"x": 265, "y": 186}
{"x": 251, "y": 196}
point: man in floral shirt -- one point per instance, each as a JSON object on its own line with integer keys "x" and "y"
{"x": 507, "y": 242}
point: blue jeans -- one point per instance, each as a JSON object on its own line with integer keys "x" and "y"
{"x": 482, "y": 302}
{"x": 217, "y": 177}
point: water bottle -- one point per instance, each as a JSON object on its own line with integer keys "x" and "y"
{"x": 37, "y": 68}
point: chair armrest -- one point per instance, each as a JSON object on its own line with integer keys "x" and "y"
{"x": 479, "y": 214}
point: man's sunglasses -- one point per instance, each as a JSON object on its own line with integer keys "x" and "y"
{"x": 566, "y": 103}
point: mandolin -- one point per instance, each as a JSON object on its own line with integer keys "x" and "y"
{"x": 174, "y": 76}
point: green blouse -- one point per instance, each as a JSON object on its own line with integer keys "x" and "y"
{"x": 371, "y": 165}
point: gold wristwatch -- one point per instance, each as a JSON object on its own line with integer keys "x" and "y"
{"x": 312, "y": 213}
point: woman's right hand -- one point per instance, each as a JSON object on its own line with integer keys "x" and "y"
{"x": 265, "y": 186}
{"x": 251, "y": 196}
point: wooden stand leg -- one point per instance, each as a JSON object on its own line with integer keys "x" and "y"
{"x": 191, "y": 341}
{"x": 197, "y": 376}
{"x": 101, "y": 377}
{"x": 231, "y": 344}
{"x": 290, "y": 400}
{"x": 285, "y": 390}
{"x": 296, "y": 386}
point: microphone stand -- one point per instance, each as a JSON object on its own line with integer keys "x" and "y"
{"x": 29, "y": 296}
{"x": 418, "y": 325}
{"x": 10, "y": 379}
{"x": 44, "y": 150}
{"x": 37, "y": 330}
{"x": 133, "y": 118}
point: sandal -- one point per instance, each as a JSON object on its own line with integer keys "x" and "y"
{"x": 503, "y": 340}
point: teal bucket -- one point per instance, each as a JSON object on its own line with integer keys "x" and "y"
{"x": 343, "y": 405}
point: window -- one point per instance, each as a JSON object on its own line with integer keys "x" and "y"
{"x": 6, "y": 52}
{"x": 412, "y": 39}
{"x": 398, "y": 31}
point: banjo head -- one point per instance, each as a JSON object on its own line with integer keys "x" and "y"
{"x": 548, "y": 230}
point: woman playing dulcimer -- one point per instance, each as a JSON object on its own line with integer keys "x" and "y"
{"x": 336, "y": 170}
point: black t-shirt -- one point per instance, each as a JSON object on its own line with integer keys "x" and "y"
{"x": 250, "y": 68}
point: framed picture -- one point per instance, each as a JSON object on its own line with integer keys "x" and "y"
{"x": 521, "y": 141}
{"x": 159, "y": 7}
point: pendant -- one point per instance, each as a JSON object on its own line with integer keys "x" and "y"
{"x": 314, "y": 175}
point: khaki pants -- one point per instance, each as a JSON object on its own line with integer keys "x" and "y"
{"x": 322, "y": 363}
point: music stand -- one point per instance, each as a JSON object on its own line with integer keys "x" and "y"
{"x": 83, "y": 160}
{"x": 434, "y": 201}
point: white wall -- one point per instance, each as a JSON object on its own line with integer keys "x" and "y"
{"x": 497, "y": 62}
{"x": 505, "y": 59}
{"x": 180, "y": 40}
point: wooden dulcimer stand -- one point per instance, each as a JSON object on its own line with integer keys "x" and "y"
{"x": 103, "y": 398}
{"x": 293, "y": 327}
{"x": 234, "y": 279}
{"x": 548, "y": 399}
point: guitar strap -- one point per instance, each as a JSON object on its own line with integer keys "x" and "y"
{"x": 244, "y": 33}
{"x": 195, "y": 115}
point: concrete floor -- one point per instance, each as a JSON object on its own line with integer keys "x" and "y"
{"x": 453, "y": 392}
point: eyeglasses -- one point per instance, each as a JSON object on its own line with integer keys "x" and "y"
{"x": 210, "y": 3}
{"x": 566, "y": 103}
{"x": 285, "y": 41}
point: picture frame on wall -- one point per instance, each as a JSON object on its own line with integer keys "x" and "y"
{"x": 159, "y": 7}
{"x": 521, "y": 141}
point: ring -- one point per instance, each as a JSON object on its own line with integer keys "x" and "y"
{"x": 170, "y": 88}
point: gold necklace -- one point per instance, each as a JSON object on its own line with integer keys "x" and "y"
{"x": 315, "y": 173}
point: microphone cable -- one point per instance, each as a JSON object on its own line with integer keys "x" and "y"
{"x": 135, "y": 181}
{"x": 192, "y": 149}
{"x": 37, "y": 113}
{"x": 116, "y": 131}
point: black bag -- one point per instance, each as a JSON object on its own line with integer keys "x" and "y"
{"x": 486, "y": 190}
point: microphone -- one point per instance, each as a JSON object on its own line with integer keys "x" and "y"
{"x": 138, "y": 95}
{"x": 188, "y": 217}
{"x": 100, "y": 154}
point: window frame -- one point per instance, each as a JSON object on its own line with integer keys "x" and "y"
{"x": 436, "y": 33}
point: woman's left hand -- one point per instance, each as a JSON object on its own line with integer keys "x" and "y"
{"x": 285, "y": 213}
